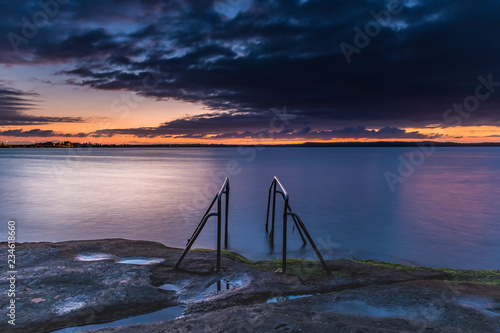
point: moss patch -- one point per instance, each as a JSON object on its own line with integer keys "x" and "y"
{"x": 304, "y": 269}
{"x": 202, "y": 250}
{"x": 389, "y": 265}
{"x": 456, "y": 275}
{"x": 312, "y": 269}
{"x": 476, "y": 276}
{"x": 236, "y": 256}
{"x": 229, "y": 254}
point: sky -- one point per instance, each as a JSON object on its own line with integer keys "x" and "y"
{"x": 249, "y": 71}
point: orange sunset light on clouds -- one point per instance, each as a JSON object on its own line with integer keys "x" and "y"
{"x": 261, "y": 72}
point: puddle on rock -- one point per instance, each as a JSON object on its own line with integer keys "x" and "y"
{"x": 93, "y": 256}
{"x": 222, "y": 285}
{"x": 283, "y": 298}
{"x": 361, "y": 308}
{"x": 140, "y": 261}
{"x": 484, "y": 305}
{"x": 169, "y": 286}
{"x": 169, "y": 313}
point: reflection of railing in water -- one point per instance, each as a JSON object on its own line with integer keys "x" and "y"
{"x": 296, "y": 219}
{"x": 220, "y": 284}
{"x": 218, "y": 197}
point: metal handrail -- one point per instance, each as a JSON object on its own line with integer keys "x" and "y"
{"x": 296, "y": 219}
{"x": 310, "y": 241}
{"x": 285, "y": 196}
{"x": 218, "y": 197}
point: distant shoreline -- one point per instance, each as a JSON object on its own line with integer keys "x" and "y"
{"x": 301, "y": 145}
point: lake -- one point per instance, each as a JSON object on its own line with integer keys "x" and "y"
{"x": 441, "y": 209}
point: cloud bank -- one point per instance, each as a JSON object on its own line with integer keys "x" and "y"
{"x": 14, "y": 105}
{"x": 243, "y": 59}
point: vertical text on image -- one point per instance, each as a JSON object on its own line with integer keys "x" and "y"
{"x": 11, "y": 273}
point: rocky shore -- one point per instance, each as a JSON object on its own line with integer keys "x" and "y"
{"x": 79, "y": 283}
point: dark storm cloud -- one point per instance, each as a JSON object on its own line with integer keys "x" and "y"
{"x": 14, "y": 105}
{"x": 275, "y": 53}
{"x": 39, "y": 133}
{"x": 359, "y": 132}
{"x": 205, "y": 125}
{"x": 210, "y": 126}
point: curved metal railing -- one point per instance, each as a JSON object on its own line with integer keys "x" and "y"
{"x": 287, "y": 211}
{"x": 218, "y": 198}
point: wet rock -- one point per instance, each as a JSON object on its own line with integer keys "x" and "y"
{"x": 56, "y": 290}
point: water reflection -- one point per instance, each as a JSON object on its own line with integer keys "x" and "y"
{"x": 445, "y": 214}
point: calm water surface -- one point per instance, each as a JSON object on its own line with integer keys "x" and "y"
{"x": 447, "y": 213}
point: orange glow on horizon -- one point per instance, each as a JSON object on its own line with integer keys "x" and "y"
{"x": 472, "y": 134}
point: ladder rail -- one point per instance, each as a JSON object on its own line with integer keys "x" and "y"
{"x": 224, "y": 190}
{"x": 287, "y": 211}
